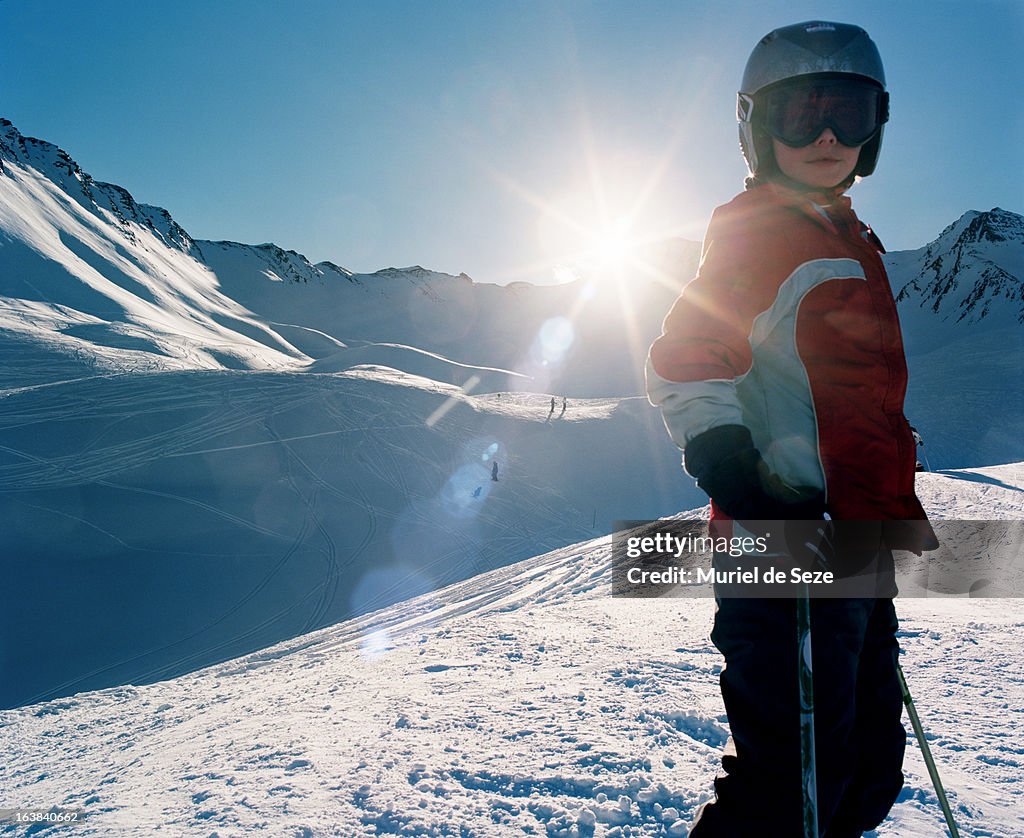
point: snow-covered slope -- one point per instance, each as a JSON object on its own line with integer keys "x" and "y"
{"x": 290, "y": 433}
{"x": 580, "y": 339}
{"x": 274, "y": 503}
{"x": 92, "y": 281}
{"x": 525, "y": 700}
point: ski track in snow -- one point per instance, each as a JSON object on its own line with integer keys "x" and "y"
{"x": 524, "y": 700}
{"x": 346, "y": 461}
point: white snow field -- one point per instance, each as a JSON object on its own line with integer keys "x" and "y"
{"x": 169, "y": 520}
{"x": 525, "y": 700}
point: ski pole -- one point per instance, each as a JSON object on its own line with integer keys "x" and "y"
{"x": 808, "y": 768}
{"x": 932, "y": 770}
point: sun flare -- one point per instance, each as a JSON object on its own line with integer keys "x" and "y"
{"x": 613, "y": 248}
{"x": 583, "y": 245}
{"x": 604, "y": 229}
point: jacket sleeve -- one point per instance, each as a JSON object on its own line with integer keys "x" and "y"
{"x": 704, "y": 348}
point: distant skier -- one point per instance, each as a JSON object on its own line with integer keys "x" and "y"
{"x": 564, "y": 403}
{"x": 477, "y": 491}
{"x": 494, "y": 471}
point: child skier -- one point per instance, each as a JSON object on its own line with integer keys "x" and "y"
{"x": 780, "y": 372}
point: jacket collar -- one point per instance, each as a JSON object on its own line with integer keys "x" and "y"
{"x": 831, "y": 208}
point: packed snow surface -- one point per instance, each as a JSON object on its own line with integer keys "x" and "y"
{"x": 524, "y": 700}
{"x": 174, "y": 519}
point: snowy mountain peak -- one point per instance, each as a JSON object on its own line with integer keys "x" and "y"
{"x": 15, "y": 147}
{"x": 973, "y": 270}
{"x": 414, "y": 271}
{"x": 289, "y": 264}
{"x": 58, "y": 166}
{"x": 329, "y": 267}
{"x": 996, "y": 225}
{"x": 418, "y": 276}
{"x": 273, "y": 262}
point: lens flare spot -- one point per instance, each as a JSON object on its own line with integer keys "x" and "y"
{"x": 554, "y": 340}
{"x": 384, "y": 585}
{"x": 466, "y": 490}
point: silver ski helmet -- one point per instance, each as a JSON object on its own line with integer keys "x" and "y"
{"x": 804, "y": 53}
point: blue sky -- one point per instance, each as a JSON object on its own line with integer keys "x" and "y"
{"x": 495, "y": 138}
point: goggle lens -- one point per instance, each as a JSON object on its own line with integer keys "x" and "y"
{"x": 797, "y": 113}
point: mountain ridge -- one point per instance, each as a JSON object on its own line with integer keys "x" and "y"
{"x": 91, "y": 193}
{"x": 956, "y": 259}
{"x": 974, "y": 226}
{"x": 118, "y": 286}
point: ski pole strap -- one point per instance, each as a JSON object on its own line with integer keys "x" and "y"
{"x": 808, "y": 768}
{"x": 933, "y": 771}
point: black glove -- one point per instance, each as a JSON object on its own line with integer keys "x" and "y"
{"x": 730, "y": 469}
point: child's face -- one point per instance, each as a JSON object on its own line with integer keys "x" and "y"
{"x": 822, "y": 164}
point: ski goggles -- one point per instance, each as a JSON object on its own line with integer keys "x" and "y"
{"x": 796, "y": 113}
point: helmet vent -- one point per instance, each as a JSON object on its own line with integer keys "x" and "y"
{"x": 820, "y": 38}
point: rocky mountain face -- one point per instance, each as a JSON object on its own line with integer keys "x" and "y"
{"x": 973, "y": 270}
{"x": 57, "y": 166}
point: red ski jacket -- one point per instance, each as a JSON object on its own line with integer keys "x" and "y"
{"x": 790, "y": 328}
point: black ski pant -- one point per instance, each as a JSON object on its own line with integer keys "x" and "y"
{"x": 859, "y": 735}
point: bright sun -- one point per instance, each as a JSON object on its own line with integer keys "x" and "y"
{"x": 605, "y": 223}
{"x": 613, "y": 248}
{"x": 604, "y": 232}
{"x": 580, "y": 243}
